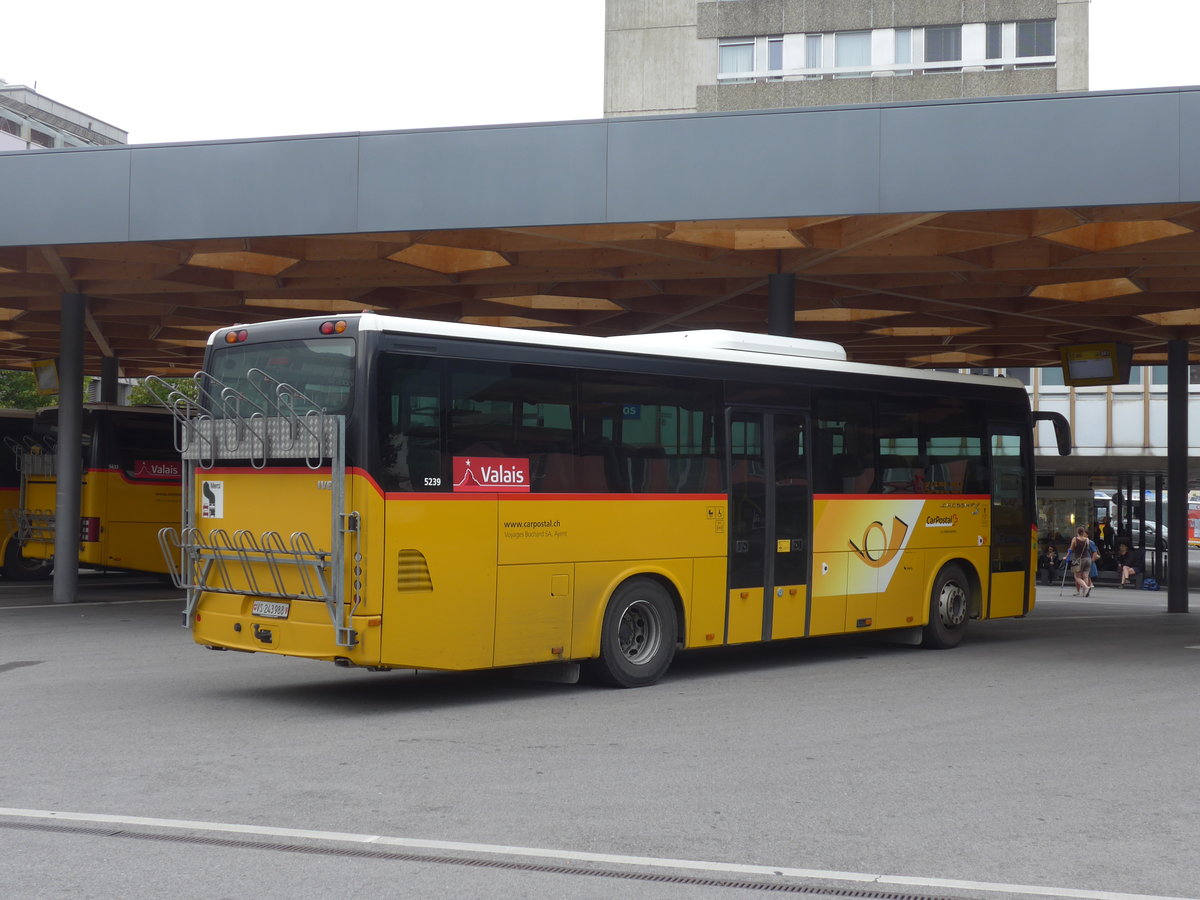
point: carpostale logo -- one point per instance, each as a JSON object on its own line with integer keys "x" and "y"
{"x": 941, "y": 521}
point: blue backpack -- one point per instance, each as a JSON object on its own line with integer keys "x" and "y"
{"x": 1149, "y": 584}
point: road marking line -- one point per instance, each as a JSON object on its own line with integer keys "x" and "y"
{"x": 580, "y": 856}
{"x": 82, "y": 603}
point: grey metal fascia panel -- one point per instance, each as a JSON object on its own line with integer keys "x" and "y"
{"x": 244, "y": 189}
{"x": 1092, "y": 150}
{"x": 64, "y": 196}
{"x": 483, "y": 177}
{"x": 795, "y": 163}
{"x": 1189, "y": 146}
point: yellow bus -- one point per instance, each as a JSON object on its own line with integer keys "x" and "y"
{"x": 16, "y": 429}
{"x": 394, "y": 493}
{"x": 130, "y": 488}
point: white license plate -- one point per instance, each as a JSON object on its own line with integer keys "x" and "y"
{"x": 269, "y": 609}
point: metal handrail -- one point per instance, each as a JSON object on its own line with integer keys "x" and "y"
{"x": 229, "y": 424}
{"x": 216, "y": 553}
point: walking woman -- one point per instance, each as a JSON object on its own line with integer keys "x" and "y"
{"x": 1080, "y": 556}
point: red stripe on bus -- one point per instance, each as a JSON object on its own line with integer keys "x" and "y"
{"x": 902, "y": 496}
{"x": 273, "y": 470}
{"x": 449, "y": 495}
{"x": 504, "y": 495}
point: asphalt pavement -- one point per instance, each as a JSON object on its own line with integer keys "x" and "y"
{"x": 1050, "y": 756}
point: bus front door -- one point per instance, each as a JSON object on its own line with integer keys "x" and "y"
{"x": 769, "y": 515}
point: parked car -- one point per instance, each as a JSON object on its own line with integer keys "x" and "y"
{"x": 1154, "y": 532}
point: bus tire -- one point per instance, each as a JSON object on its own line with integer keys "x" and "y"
{"x": 20, "y": 568}
{"x": 949, "y": 609}
{"x": 638, "y": 635}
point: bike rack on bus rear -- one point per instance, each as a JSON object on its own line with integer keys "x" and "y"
{"x": 34, "y": 457}
{"x": 228, "y": 425}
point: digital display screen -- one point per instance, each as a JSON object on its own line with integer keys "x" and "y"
{"x": 1088, "y": 365}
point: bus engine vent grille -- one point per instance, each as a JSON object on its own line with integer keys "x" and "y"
{"x": 412, "y": 572}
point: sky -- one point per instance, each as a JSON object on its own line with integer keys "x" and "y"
{"x": 168, "y": 71}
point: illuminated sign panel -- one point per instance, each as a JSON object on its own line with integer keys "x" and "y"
{"x": 1087, "y": 365}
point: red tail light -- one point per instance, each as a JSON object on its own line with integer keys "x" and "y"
{"x": 89, "y": 529}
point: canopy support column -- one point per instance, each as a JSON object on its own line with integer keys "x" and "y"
{"x": 1177, "y": 470}
{"x": 110, "y": 370}
{"x": 781, "y": 305}
{"x": 68, "y": 452}
{"x": 1159, "y": 483}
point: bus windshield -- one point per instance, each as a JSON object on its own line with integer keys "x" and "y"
{"x": 321, "y": 371}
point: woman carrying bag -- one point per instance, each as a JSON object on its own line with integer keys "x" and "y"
{"x": 1081, "y": 557}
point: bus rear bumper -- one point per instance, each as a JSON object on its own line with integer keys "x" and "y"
{"x": 299, "y": 628}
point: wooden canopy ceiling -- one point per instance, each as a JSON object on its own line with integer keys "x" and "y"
{"x": 930, "y": 290}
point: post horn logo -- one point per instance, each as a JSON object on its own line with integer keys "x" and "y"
{"x": 879, "y": 557}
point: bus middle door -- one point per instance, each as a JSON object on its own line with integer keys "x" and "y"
{"x": 770, "y": 515}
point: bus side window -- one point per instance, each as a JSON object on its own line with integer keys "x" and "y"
{"x": 952, "y": 445}
{"x": 410, "y": 431}
{"x": 139, "y": 441}
{"x": 845, "y": 461}
{"x": 901, "y": 471}
{"x": 650, "y": 434}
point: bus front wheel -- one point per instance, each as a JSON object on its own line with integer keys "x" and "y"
{"x": 949, "y": 610}
{"x": 637, "y": 638}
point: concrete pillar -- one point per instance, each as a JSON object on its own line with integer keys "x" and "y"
{"x": 1177, "y": 466}
{"x": 1159, "y": 484}
{"x": 68, "y": 454}
{"x": 109, "y": 367}
{"x": 781, "y": 305}
{"x": 1071, "y": 52}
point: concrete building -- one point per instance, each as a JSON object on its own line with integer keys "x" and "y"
{"x": 676, "y": 56}
{"x": 31, "y": 121}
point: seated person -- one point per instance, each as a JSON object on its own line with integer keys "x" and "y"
{"x": 1129, "y": 563}
{"x": 1049, "y": 559}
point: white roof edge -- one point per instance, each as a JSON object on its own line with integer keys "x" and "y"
{"x": 655, "y": 345}
{"x": 741, "y": 341}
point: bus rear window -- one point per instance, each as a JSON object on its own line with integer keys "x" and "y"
{"x": 320, "y": 370}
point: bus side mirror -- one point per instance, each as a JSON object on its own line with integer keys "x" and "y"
{"x": 1062, "y": 429}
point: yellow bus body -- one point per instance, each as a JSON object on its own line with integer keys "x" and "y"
{"x": 473, "y": 581}
{"x": 10, "y": 505}
{"x": 129, "y": 515}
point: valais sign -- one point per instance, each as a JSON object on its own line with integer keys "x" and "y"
{"x": 165, "y": 470}
{"x": 479, "y": 474}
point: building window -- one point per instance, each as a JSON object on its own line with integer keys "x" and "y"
{"x": 863, "y": 52}
{"x": 775, "y": 56}
{"x": 1021, "y": 373}
{"x": 812, "y": 52}
{"x": 736, "y": 56}
{"x": 852, "y": 49}
{"x": 1035, "y": 38}
{"x": 41, "y": 138}
{"x": 8, "y": 126}
{"x": 943, "y": 43}
{"x": 1050, "y": 376}
{"x": 995, "y": 40}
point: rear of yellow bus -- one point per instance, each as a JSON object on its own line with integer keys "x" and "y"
{"x": 129, "y": 489}
{"x": 16, "y": 426}
{"x": 275, "y": 534}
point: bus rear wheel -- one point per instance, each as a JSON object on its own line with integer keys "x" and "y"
{"x": 638, "y": 636}
{"x": 20, "y": 568}
{"x": 949, "y": 610}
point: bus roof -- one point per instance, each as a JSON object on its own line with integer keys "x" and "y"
{"x": 747, "y": 348}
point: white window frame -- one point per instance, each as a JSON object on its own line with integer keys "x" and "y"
{"x": 741, "y": 76}
{"x": 795, "y": 53}
{"x": 858, "y": 70}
